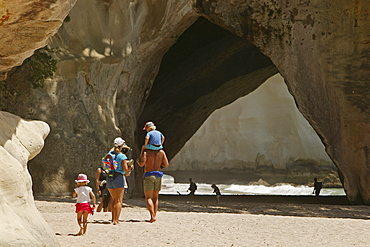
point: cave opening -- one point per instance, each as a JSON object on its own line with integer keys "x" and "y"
{"x": 205, "y": 70}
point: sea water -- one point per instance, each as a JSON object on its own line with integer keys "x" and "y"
{"x": 170, "y": 187}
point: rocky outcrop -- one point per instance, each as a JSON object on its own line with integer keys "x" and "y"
{"x": 105, "y": 73}
{"x": 21, "y": 223}
{"x": 111, "y": 77}
{"x": 323, "y": 60}
{"x": 259, "y": 136}
{"x": 26, "y": 26}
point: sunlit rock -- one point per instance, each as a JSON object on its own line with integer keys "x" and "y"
{"x": 25, "y": 26}
{"x": 260, "y": 134}
{"x": 21, "y": 224}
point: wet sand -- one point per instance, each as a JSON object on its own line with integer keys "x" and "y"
{"x": 200, "y": 221}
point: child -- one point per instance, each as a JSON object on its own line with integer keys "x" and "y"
{"x": 217, "y": 191}
{"x": 83, "y": 209}
{"x": 154, "y": 139}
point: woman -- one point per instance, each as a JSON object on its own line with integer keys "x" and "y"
{"x": 116, "y": 186}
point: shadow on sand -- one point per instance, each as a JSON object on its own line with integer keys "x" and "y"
{"x": 300, "y": 206}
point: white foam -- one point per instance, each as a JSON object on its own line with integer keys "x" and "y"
{"x": 170, "y": 187}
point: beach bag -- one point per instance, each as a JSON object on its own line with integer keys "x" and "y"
{"x": 110, "y": 164}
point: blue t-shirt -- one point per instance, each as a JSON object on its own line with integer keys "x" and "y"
{"x": 119, "y": 158}
{"x": 155, "y": 137}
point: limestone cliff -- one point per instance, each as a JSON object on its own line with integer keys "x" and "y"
{"x": 21, "y": 223}
{"x": 25, "y": 26}
{"x": 108, "y": 56}
{"x": 122, "y": 63}
{"x": 320, "y": 48}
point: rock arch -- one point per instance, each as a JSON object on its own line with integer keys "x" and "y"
{"x": 324, "y": 63}
{"x": 322, "y": 58}
{"x": 207, "y": 68}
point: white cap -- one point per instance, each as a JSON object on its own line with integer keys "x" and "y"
{"x": 119, "y": 141}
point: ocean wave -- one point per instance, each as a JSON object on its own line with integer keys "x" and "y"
{"x": 170, "y": 187}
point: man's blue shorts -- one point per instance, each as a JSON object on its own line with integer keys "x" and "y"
{"x": 117, "y": 182}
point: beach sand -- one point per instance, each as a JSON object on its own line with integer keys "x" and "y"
{"x": 200, "y": 221}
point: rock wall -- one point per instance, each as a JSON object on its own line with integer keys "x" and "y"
{"x": 110, "y": 53}
{"x": 260, "y": 134}
{"x": 27, "y": 25}
{"x": 21, "y": 223}
{"x": 106, "y": 84}
{"x": 108, "y": 56}
{"x": 324, "y": 61}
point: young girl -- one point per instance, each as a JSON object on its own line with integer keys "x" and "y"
{"x": 83, "y": 209}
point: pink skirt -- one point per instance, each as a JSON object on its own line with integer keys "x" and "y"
{"x": 83, "y": 207}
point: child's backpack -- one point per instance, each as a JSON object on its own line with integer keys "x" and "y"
{"x": 110, "y": 164}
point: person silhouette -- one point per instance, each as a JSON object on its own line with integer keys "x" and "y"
{"x": 317, "y": 186}
{"x": 217, "y": 191}
{"x": 192, "y": 187}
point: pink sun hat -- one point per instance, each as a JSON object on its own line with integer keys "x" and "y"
{"x": 82, "y": 178}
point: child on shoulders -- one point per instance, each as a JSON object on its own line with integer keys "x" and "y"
{"x": 153, "y": 139}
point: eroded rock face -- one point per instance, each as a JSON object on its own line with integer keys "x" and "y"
{"x": 324, "y": 60}
{"x": 109, "y": 54}
{"x": 21, "y": 224}
{"x": 107, "y": 83}
{"x": 26, "y": 26}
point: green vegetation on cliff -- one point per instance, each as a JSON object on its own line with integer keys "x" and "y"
{"x": 41, "y": 66}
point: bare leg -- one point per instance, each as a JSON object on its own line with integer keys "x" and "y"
{"x": 152, "y": 202}
{"x": 110, "y": 205}
{"x": 142, "y": 149}
{"x": 79, "y": 222}
{"x": 100, "y": 204}
{"x": 156, "y": 202}
{"x": 107, "y": 203}
{"x": 116, "y": 197}
{"x": 84, "y": 221}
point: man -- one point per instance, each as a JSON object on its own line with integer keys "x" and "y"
{"x": 192, "y": 187}
{"x": 153, "y": 161}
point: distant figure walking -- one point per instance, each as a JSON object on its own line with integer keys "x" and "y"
{"x": 83, "y": 208}
{"x": 153, "y": 161}
{"x": 317, "y": 187}
{"x": 217, "y": 191}
{"x": 192, "y": 188}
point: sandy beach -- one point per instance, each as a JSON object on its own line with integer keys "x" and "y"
{"x": 200, "y": 221}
